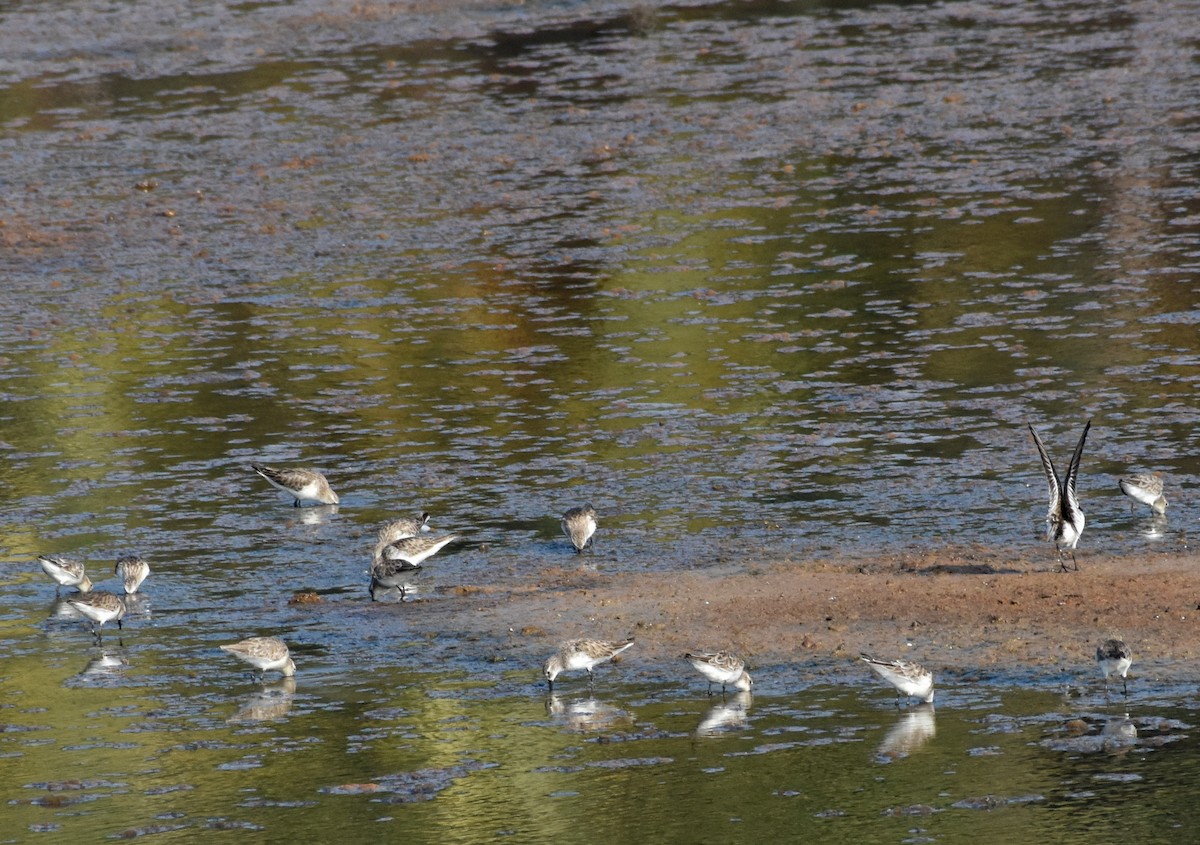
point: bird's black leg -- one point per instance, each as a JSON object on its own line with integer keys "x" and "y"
{"x": 1125, "y": 686}
{"x": 296, "y": 503}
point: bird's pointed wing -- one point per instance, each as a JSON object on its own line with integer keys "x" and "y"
{"x": 1051, "y": 475}
{"x": 1072, "y": 471}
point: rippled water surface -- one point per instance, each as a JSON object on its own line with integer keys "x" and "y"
{"x": 777, "y": 279}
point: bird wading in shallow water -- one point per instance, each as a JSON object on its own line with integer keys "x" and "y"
{"x": 66, "y": 573}
{"x": 1064, "y": 520}
{"x": 1146, "y": 488}
{"x": 911, "y": 679}
{"x": 721, "y": 667}
{"x": 266, "y": 654}
{"x": 100, "y": 607}
{"x": 581, "y": 654}
{"x": 579, "y": 524}
{"x": 1114, "y": 658}
{"x": 132, "y": 571}
{"x": 300, "y": 484}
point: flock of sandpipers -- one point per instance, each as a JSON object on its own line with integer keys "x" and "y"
{"x": 400, "y": 550}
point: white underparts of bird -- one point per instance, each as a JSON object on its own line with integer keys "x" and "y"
{"x": 1064, "y": 519}
{"x": 721, "y": 667}
{"x": 301, "y": 484}
{"x": 911, "y": 679}
{"x": 1114, "y": 658}
{"x": 581, "y": 654}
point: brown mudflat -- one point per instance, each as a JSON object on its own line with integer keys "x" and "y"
{"x": 974, "y": 610}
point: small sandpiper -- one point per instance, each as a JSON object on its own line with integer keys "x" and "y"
{"x": 394, "y": 563}
{"x": 266, "y": 654}
{"x": 1146, "y": 488}
{"x": 579, "y": 524}
{"x": 66, "y": 573}
{"x": 132, "y": 571}
{"x": 300, "y": 484}
{"x": 1064, "y": 520}
{"x": 909, "y": 679}
{"x": 402, "y": 529}
{"x": 1114, "y": 658}
{"x": 581, "y": 654}
{"x": 100, "y": 607}
{"x": 721, "y": 667}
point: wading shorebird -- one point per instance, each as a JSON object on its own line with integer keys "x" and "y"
{"x": 66, "y": 573}
{"x": 402, "y": 529}
{"x": 1146, "y": 488}
{"x": 579, "y": 524}
{"x": 909, "y": 679}
{"x": 132, "y": 571}
{"x": 721, "y": 667}
{"x": 100, "y": 607}
{"x": 1064, "y": 520}
{"x": 300, "y": 484}
{"x": 266, "y": 654}
{"x": 1114, "y": 658}
{"x": 581, "y": 654}
{"x": 394, "y": 563}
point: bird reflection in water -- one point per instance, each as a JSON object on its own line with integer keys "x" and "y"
{"x": 913, "y": 729}
{"x": 585, "y": 715}
{"x": 272, "y": 701}
{"x": 726, "y": 716}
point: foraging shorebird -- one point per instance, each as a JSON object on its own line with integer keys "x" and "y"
{"x": 1064, "y": 520}
{"x": 721, "y": 667}
{"x": 65, "y": 572}
{"x": 402, "y": 529}
{"x": 100, "y": 607}
{"x": 132, "y": 571}
{"x": 1114, "y": 658}
{"x": 579, "y": 524}
{"x": 394, "y": 563}
{"x": 909, "y": 679}
{"x": 300, "y": 484}
{"x": 266, "y": 654}
{"x": 581, "y": 654}
{"x": 1146, "y": 488}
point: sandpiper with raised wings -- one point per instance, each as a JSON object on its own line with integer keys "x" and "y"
{"x": 581, "y": 654}
{"x": 909, "y": 678}
{"x": 303, "y": 485}
{"x": 1064, "y": 520}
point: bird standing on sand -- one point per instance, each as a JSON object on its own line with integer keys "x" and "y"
{"x": 1064, "y": 520}
{"x": 721, "y": 667}
{"x": 909, "y": 679}
{"x": 1146, "y": 488}
{"x": 300, "y": 484}
{"x": 1114, "y": 658}
{"x": 581, "y": 654}
{"x": 579, "y": 524}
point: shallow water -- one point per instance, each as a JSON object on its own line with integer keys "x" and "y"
{"x": 140, "y": 738}
{"x": 766, "y": 279}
